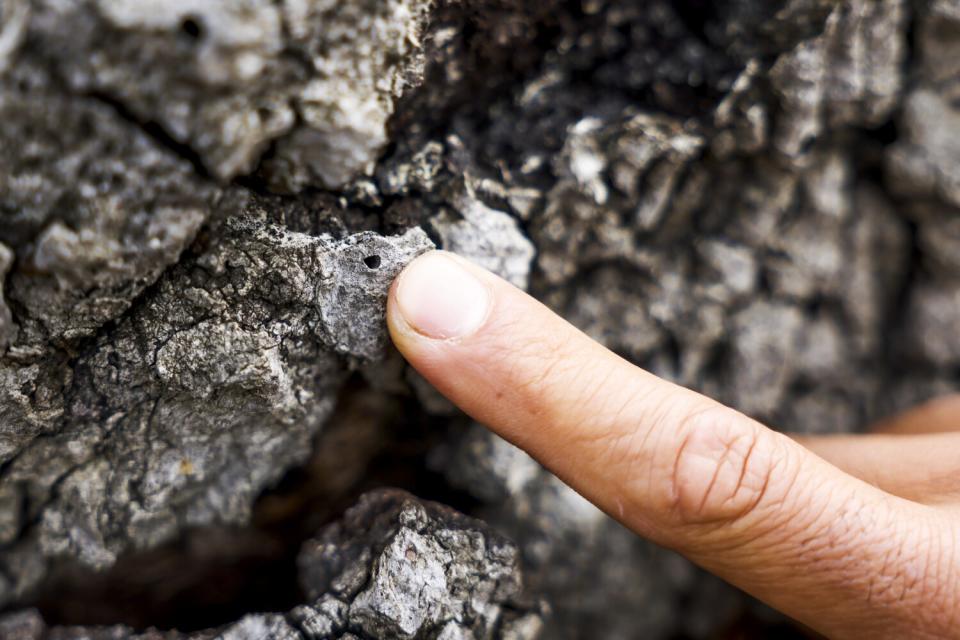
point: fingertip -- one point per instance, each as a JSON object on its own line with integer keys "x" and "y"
{"x": 438, "y": 297}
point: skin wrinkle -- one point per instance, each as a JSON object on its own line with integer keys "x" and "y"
{"x": 722, "y": 459}
{"x": 658, "y": 410}
{"x": 881, "y": 582}
{"x": 761, "y": 494}
{"x": 831, "y": 560}
{"x": 820, "y": 533}
{"x": 932, "y": 571}
{"x": 927, "y": 562}
{"x": 901, "y": 571}
{"x": 949, "y": 585}
{"x": 898, "y": 575}
{"x": 604, "y": 436}
{"x": 910, "y": 579}
{"x": 712, "y": 422}
{"x": 916, "y": 595}
{"x": 822, "y": 491}
{"x": 675, "y": 475}
{"x": 731, "y": 538}
{"x": 743, "y": 461}
{"x": 533, "y": 356}
{"x": 626, "y": 442}
{"x": 593, "y": 434}
{"x": 598, "y": 394}
{"x": 952, "y": 563}
{"x": 828, "y": 555}
{"x": 852, "y": 528}
{"x": 627, "y": 448}
{"x": 761, "y": 532}
{"x": 743, "y": 471}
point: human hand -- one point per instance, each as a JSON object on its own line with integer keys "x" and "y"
{"x": 854, "y": 536}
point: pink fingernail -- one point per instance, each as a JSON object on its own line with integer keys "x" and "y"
{"x": 440, "y": 299}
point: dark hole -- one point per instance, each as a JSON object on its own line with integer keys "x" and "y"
{"x": 696, "y": 15}
{"x": 806, "y": 145}
{"x": 192, "y": 28}
{"x": 372, "y": 261}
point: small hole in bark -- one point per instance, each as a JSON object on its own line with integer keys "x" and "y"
{"x": 192, "y": 28}
{"x": 373, "y": 262}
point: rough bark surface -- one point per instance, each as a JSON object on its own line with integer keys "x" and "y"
{"x": 203, "y": 205}
{"x": 395, "y": 567}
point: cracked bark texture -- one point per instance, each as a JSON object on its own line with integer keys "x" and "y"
{"x": 203, "y": 205}
{"x": 394, "y": 567}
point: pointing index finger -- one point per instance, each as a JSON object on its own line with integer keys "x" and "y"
{"x": 739, "y": 499}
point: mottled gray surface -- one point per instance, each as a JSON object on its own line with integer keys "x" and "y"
{"x": 393, "y": 567}
{"x": 230, "y": 79}
{"x": 400, "y": 568}
{"x": 240, "y": 343}
{"x": 756, "y": 199}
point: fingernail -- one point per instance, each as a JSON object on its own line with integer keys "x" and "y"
{"x": 440, "y": 299}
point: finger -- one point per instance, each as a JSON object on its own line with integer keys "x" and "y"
{"x": 939, "y": 415}
{"x": 912, "y": 455}
{"x": 923, "y": 468}
{"x": 745, "y": 502}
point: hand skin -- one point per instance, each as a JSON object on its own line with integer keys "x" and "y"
{"x": 856, "y": 537}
